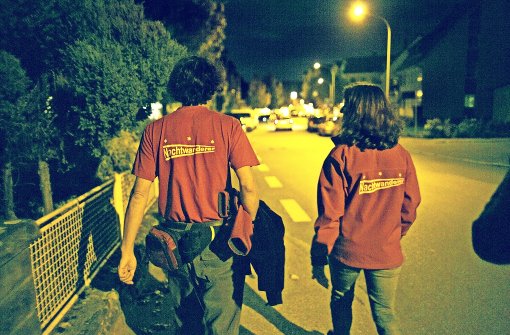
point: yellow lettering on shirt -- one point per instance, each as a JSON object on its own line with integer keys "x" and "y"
{"x": 172, "y": 151}
{"x": 371, "y": 186}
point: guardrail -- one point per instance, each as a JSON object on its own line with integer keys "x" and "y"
{"x": 74, "y": 243}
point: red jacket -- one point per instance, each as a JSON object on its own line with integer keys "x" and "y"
{"x": 367, "y": 201}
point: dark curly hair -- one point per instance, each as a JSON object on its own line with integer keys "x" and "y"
{"x": 194, "y": 80}
{"x": 368, "y": 122}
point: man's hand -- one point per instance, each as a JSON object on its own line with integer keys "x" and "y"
{"x": 319, "y": 275}
{"x": 127, "y": 268}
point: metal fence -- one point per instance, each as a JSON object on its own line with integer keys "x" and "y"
{"x": 75, "y": 242}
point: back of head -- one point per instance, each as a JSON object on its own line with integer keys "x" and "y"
{"x": 194, "y": 80}
{"x": 368, "y": 122}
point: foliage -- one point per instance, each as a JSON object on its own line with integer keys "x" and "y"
{"x": 112, "y": 74}
{"x": 278, "y": 98}
{"x": 258, "y": 95}
{"x": 439, "y": 128}
{"x": 94, "y": 64}
{"x": 36, "y": 31}
{"x": 467, "y": 128}
{"x": 13, "y": 86}
{"x": 197, "y": 24}
{"x": 120, "y": 155}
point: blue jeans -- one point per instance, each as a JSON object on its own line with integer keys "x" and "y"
{"x": 381, "y": 287}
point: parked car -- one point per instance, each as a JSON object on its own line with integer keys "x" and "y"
{"x": 263, "y": 118}
{"x": 314, "y": 121}
{"x": 283, "y": 123}
{"x": 330, "y": 127}
{"x": 248, "y": 121}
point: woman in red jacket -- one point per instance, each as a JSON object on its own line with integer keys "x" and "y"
{"x": 367, "y": 198}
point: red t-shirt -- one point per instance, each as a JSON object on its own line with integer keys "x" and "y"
{"x": 367, "y": 200}
{"x": 188, "y": 151}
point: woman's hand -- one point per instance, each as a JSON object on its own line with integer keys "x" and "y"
{"x": 319, "y": 275}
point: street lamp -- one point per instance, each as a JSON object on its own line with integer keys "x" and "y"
{"x": 358, "y": 13}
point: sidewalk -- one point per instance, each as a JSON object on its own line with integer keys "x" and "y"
{"x": 490, "y": 151}
{"x": 108, "y": 307}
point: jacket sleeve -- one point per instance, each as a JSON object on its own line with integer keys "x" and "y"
{"x": 412, "y": 197}
{"x": 331, "y": 194}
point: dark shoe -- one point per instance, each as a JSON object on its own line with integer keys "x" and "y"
{"x": 331, "y": 332}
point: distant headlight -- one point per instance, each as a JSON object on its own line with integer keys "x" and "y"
{"x": 275, "y": 121}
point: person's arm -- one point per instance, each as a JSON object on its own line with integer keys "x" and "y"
{"x": 248, "y": 192}
{"x": 412, "y": 198}
{"x": 134, "y": 216}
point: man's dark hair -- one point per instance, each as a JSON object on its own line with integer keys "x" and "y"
{"x": 368, "y": 120}
{"x": 194, "y": 80}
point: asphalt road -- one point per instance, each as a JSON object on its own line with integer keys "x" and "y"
{"x": 444, "y": 289}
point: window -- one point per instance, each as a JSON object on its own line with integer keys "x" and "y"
{"x": 469, "y": 101}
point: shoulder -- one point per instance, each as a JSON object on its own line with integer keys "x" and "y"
{"x": 403, "y": 151}
{"x": 342, "y": 151}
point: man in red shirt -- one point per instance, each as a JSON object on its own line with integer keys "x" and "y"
{"x": 189, "y": 151}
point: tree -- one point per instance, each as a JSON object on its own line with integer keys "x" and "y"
{"x": 39, "y": 121}
{"x": 13, "y": 85}
{"x": 278, "y": 98}
{"x": 99, "y": 60}
{"x": 200, "y": 26}
{"x": 112, "y": 74}
{"x": 258, "y": 95}
{"x": 197, "y": 24}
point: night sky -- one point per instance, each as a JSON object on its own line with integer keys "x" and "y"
{"x": 285, "y": 37}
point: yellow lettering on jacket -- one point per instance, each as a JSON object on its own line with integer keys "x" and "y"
{"x": 371, "y": 186}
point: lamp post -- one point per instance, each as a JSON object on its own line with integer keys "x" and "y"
{"x": 358, "y": 13}
{"x": 417, "y": 98}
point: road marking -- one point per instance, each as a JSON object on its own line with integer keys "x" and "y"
{"x": 263, "y": 168}
{"x": 273, "y": 182}
{"x": 296, "y": 213}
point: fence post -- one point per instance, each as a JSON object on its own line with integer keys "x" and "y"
{"x": 118, "y": 202}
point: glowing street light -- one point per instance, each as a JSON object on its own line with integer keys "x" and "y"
{"x": 358, "y": 12}
{"x": 320, "y": 81}
{"x": 317, "y": 65}
{"x": 293, "y": 95}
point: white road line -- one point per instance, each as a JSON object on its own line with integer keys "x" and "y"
{"x": 263, "y": 168}
{"x": 296, "y": 213}
{"x": 273, "y": 182}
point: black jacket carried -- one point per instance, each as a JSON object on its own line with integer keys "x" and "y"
{"x": 267, "y": 255}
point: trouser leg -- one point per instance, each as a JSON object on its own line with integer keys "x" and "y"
{"x": 343, "y": 279}
{"x": 186, "y": 314}
{"x": 216, "y": 283}
{"x": 382, "y": 289}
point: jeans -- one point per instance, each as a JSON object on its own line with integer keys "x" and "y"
{"x": 219, "y": 292}
{"x": 381, "y": 287}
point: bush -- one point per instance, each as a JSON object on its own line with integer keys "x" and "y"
{"x": 120, "y": 157}
{"x": 468, "y": 128}
{"x": 437, "y": 128}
